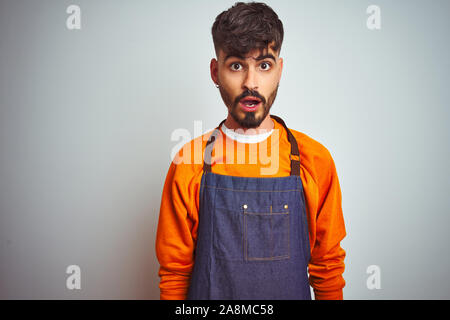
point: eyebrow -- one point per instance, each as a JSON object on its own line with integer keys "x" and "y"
{"x": 260, "y": 57}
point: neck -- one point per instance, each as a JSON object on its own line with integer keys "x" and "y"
{"x": 266, "y": 124}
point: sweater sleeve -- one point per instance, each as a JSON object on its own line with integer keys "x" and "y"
{"x": 174, "y": 240}
{"x": 327, "y": 257}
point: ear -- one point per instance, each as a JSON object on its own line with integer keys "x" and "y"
{"x": 281, "y": 68}
{"x": 214, "y": 68}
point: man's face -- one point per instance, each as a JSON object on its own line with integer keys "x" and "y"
{"x": 248, "y": 85}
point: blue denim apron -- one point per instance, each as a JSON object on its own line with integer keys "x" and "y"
{"x": 253, "y": 240}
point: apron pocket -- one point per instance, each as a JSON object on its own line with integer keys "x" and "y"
{"x": 228, "y": 234}
{"x": 266, "y": 233}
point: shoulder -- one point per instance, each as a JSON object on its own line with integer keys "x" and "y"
{"x": 309, "y": 145}
{"x": 187, "y": 158}
{"x": 313, "y": 154}
{"x": 191, "y": 151}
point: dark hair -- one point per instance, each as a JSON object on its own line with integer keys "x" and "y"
{"x": 245, "y": 27}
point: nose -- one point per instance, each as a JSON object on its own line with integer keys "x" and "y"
{"x": 250, "y": 81}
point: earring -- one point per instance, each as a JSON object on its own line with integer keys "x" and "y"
{"x": 217, "y": 85}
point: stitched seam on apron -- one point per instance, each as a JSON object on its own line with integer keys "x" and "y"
{"x": 245, "y": 236}
{"x": 289, "y": 235}
{"x": 212, "y": 187}
{"x": 268, "y": 259}
{"x": 211, "y": 247}
{"x": 271, "y": 233}
{"x": 265, "y": 213}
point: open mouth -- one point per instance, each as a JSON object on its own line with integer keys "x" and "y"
{"x": 250, "y": 103}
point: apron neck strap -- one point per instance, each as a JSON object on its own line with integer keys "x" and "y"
{"x": 295, "y": 163}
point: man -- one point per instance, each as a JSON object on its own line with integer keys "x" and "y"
{"x": 240, "y": 224}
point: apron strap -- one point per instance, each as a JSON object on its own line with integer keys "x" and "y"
{"x": 295, "y": 164}
{"x": 209, "y": 147}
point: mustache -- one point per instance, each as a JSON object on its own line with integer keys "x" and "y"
{"x": 248, "y": 93}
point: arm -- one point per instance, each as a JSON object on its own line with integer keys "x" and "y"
{"x": 327, "y": 257}
{"x": 174, "y": 240}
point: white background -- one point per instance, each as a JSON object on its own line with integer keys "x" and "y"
{"x": 86, "y": 118}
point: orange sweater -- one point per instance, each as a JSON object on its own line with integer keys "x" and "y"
{"x": 178, "y": 220}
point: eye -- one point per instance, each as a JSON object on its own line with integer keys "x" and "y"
{"x": 265, "y": 66}
{"x": 235, "y": 66}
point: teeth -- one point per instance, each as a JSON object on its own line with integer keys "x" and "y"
{"x": 251, "y": 104}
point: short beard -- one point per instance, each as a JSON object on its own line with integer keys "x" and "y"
{"x": 250, "y": 120}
